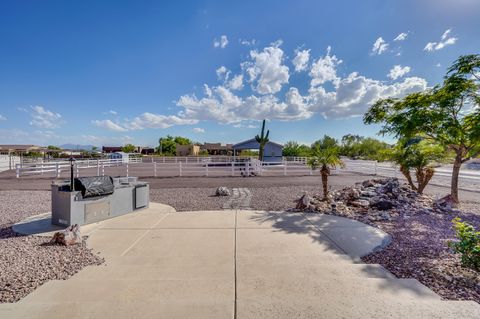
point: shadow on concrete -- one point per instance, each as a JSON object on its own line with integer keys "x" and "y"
{"x": 344, "y": 237}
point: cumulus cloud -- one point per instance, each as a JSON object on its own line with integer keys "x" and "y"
{"x": 221, "y": 43}
{"x": 401, "y": 37}
{"x": 379, "y": 46}
{"x": 398, "y": 71}
{"x": 266, "y": 70}
{"x": 329, "y": 94}
{"x": 300, "y": 61}
{"x": 325, "y": 69}
{"x": 356, "y": 93}
{"x": 236, "y": 83}
{"x": 109, "y": 125}
{"x": 43, "y": 118}
{"x": 2, "y": 118}
{"x": 151, "y": 120}
{"x": 445, "y": 40}
{"x": 198, "y": 130}
{"x": 222, "y": 73}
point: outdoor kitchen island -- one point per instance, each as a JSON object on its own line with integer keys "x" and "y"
{"x": 96, "y": 198}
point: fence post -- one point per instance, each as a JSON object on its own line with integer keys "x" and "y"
{"x": 233, "y": 168}
{"x": 186, "y": 160}
{"x": 98, "y": 167}
{"x": 103, "y": 169}
{"x": 76, "y": 169}
{"x": 376, "y": 167}
{"x": 127, "y": 169}
{"x": 57, "y": 170}
{"x": 284, "y": 168}
{"x": 179, "y": 167}
{"x": 155, "y": 169}
{"x": 17, "y": 166}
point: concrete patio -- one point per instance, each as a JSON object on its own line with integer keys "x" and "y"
{"x": 233, "y": 264}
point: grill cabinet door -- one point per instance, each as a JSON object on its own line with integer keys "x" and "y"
{"x": 141, "y": 196}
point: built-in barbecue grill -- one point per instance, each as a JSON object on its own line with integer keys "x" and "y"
{"x": 96, "y": 198}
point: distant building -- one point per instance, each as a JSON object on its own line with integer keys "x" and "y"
{"x": 187, "y": 150}
{"x": 19, "y": 149}
{"x": 146, "y": 150}
{"x": 271, "y": 153}
{"x": 111, "y": 149}
{"x": 217, "y": 148}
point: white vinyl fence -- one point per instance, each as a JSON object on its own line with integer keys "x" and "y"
{"x": 223, "y": 166}
{"x": 8, "y": 162}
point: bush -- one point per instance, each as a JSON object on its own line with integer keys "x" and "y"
{"x": 467, "y": 244}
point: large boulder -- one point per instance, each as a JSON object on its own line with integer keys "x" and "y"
{"x": 222, "y": 191}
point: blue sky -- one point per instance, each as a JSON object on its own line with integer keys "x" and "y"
{"x": 114, "y": 72}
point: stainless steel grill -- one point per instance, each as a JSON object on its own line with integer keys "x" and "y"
{"x": 97, "y": 198}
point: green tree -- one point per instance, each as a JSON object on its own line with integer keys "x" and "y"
{"x": 325, "y": 142}
{"x": 128, "y": 148}
{"x": 182, "y": 140}
{"x": 292, "y": 148}
{"x": 447, "y": 114}
{"x": 168, "y": 145}
{"x": 355, "y": 146}
{"x": 418, "y": 154}
{"x": 325, "y": 159}
{"x": 262, "y": 140}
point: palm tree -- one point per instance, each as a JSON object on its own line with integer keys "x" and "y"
{"x": 262, "y": 140}
{"x": 325, "y": 159}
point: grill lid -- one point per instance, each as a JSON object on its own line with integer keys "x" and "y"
{"x": 94, "y": 185}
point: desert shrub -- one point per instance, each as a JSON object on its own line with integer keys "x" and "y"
{"x": 467, "y": 244}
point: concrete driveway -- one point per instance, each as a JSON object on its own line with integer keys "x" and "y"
{"x": 234, "y": 264}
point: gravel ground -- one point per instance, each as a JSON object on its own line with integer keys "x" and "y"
{"x": 419, "y": 250}
{"x": 188, "y": 199}
{"x": 26, "y": 262}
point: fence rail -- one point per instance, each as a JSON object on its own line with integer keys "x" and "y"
{"x": 217, "y": 166}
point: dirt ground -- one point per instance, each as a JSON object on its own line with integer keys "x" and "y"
{"x": 8, "y": 181}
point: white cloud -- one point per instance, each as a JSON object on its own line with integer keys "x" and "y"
{"x": 222, "y": 73}
{"x": 379, "y": 46}
{"x": 113, "y": 112}
{"x": 247, "y": 42}
{"x": 325, "y": 69}
{"x": 155, "y": 121}
{"x": 198, "y": 130}
{"x": 2, "y": 118}
{"x": 109, "y": 125}
{"x": 356, "y": 93}
{"x": 236, "y": 83}
{"x": 222, "y": 43}
{"x": 445, "y": 40}
{"x": 266, "y": 70}
{"x": 43, "y": 118}
{"x": 342, "y": 96}
{"x": 438, "y": 65}
{"x": 224, "y": 106}
{"x": 401, "y": 37}
{"x": 301, "y": 60}
{"x": 398, "y": 71}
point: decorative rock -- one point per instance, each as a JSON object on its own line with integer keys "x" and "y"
{"x": 222, "y": 191}
{"x": 361, "y": 203}
{"x": 383, "y": 205}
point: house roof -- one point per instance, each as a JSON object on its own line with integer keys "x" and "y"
{"x": 252, "y": 142}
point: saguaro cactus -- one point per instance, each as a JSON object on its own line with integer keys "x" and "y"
{"x": 262, "y": 139}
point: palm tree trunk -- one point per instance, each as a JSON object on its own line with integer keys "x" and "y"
{"x": 325, "y": 172}
{"x": 425, "y": 177}
{"x": 406, "y": 172}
